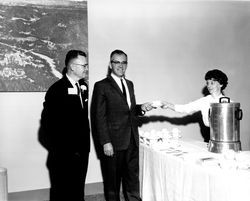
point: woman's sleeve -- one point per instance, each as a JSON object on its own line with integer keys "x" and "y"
{"x": 191, "y": 107}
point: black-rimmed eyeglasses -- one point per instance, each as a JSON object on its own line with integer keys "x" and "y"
{"x": 118, "y": 62}
{"x": 83, "y": 66}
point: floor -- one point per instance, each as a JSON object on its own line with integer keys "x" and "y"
{"x": 94, "y": 192}
{"x": 43, "y": 195}
{"x": 35, "y": 195}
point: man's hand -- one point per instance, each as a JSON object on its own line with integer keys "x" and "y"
{"x": 108, "y": 149}
{"x": 147, "y": 107}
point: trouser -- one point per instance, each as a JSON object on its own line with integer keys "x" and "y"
{"x": 67, "y": 174}
{"x": 123, "y": 168}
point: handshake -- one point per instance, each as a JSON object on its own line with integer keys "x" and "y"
{"x": 156, "y": 104}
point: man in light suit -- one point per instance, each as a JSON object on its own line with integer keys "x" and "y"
{"x": 64, "y": 130}
{"x": 114, "y": 114}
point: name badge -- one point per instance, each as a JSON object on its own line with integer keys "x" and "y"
{"x": 72, "y": 91}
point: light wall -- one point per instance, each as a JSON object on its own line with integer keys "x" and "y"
{"x": 20, "y": 151}
{"x": 170, "y": 46}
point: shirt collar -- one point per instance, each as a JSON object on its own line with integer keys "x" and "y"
{"x": 116, "y": 78}
{"x": 73, "y": 82}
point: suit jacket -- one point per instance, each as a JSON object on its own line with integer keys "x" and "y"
{"x": 64, "y": 122}
{"x": 113, "y": 120}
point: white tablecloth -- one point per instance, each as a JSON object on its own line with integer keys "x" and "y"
{"x": 169, "y": 176}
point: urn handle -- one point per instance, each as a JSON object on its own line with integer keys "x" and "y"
{"x": 224, "y": 100}
{"x": 238, "y": 114}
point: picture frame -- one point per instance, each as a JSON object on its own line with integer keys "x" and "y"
{"x": 34, "y": 39}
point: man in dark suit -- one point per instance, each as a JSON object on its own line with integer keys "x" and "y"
{"x": 65, "y": 131}
{"x": 114, "y": 114}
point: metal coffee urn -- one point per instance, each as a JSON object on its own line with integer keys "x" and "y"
{"x": 224, "y": 120}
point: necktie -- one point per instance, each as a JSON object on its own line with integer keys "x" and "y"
{"x": 79, "y": 92}
{"x": 78, "y": 89}
{"x": 123, "y": 89}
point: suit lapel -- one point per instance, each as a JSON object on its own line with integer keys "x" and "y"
{"x": 68, "y": 84}
{"x": 84, "y": 93}
{"x": 115, "y": 85}
{"x": 131, "y": 93}
{"x": 130, "y": 89}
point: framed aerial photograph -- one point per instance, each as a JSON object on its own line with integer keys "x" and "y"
{"x": 34, "y": 39}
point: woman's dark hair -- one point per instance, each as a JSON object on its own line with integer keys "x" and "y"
{"x": 218, "y": 76}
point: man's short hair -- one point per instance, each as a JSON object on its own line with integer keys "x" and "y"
{"x": 72, "y": 54}
{"x": 119, "y": 52}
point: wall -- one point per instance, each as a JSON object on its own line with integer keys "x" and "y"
{"x": 171, "y": 45}
{"x": 20, "y": 151}
{"x": 20, "y": 113}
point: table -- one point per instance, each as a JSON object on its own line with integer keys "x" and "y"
{"x": 188, "y": 176}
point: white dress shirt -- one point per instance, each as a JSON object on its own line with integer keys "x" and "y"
{"x": 118, "y": 81}
{"x": 73, "y": 83}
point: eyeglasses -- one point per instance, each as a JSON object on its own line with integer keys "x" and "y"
{"x": 118, "y": 62}
{"x": 84, "y": 66}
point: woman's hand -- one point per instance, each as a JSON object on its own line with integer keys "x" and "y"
{"x": 166, "y": 105}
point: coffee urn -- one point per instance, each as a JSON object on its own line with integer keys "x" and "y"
{"x": 224, "y": 120}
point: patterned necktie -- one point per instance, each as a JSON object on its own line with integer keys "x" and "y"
{"x": 123, "y": 89}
